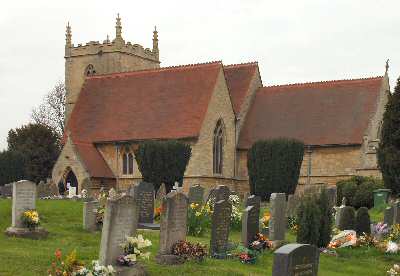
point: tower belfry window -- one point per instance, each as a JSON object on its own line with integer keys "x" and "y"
{"x": 90, "y": 71}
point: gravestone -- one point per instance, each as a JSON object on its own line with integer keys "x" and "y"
{"x": 162, "y": 191}
{"x": 54, "y": 191}
{"x": 24, "y": 199}
{"x": 120, "y": 221}
{"x": 220, "y": 223}
{"x": 347, "y": 218}
{"x": 210, "y": 195}
{"x": 173, "y": 226}
{"x": 293, "y": 202}
{"x": 222, "y": 193}
{"x": 339, "y": 212}
{"x": 89, "y": 215}
{"x": 42, "y": 190}
{"x": 6, "y": 190}
{"x": 254, "y": 201}
{"x": 250, "y": 224}
{"x": 296, "y": 259}
{"x": 196, "y": 194}
{"x": 71, "y": 191}
{"x": 278, "y": 221}
{"x": 144, "y": 197}
{"x": 389, "y": 216}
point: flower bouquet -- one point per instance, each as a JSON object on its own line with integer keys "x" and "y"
{"x": 30, "y": 219}
{"x": 260, "y": 243}
{"x": 380, "y": 230}
{"x": 393, "y": 271}
{"x": 343, "y": 239}
{"x": 133, "y": 249}
{"x": 190, "y": 251}
{"x": 157, "y": 213}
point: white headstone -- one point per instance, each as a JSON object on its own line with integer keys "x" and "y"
{"x": 24, "y": 198}
{"x": 72, "y": 191}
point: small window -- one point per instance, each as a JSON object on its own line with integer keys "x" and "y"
{"x": 127, "y": 163}
{"x": 218, "y": 147}
{"x": 90, "y": 71}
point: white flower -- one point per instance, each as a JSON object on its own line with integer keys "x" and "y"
{"x": 145, "y": 256}
{"x": 131, "y": 257}
{"x": 392, "y": 247}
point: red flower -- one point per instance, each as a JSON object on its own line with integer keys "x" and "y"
{"x": 58, "y": 254}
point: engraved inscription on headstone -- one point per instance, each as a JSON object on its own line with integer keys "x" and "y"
{"x": 144, "y": 197}
{"x": 196, "y": 194}
{"x": 296, "y": 259}
{"x": 120, "y": 221}
{"x": 221, "y": 218}
{"x": 173, "y": 221}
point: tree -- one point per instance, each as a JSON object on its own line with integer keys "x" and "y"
{"x": 326, "y": 219}
{"x": 389, "y": 146}
{"x": 274, "y": 166}
{"x": 52, "y": 111}
{"x": 11, "y": 167}
{"x": 163, "y": 162}
{"x": 39, "y": 147}
{"x": 308, "y": 220}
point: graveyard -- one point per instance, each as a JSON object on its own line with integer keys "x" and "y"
{"x": 67, "y": 225}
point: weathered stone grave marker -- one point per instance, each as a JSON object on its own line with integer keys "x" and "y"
{"x": 173, "y": 226}
{"x": 389, "y": 215}
{"x": 221, "y": 219}
{"x": 24, "y": 199}
{"x": 196, "y": 194}
{"x": 89, "y": 215}
{"x": 222, "y": 192}
{"x": 296, "y": 259}
{"x": 144, "y": 196}
{"x": 250, "y": 224}
{"x": 278, "y": 221}
{"x": 6, "y": 190}
{"x": 120, "y": 221}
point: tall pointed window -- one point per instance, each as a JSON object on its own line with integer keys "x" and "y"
{"x": 218, "y": 147}
{"x": 90, "y": 71}
{"x": 127, "y": 163}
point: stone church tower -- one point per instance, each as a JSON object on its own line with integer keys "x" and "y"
{"x": 103, "y": 58}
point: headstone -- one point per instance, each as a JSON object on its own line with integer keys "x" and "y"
{"x": 173, "y": 225}
{"x": 120, "y": 221}
{"x": 42, "y": 190}
{"x": 389, "y": 216}
{"x": 221, "y": 219}
{"x": 396, "y": 213}
{"x": 162, "y": 191}
{"x": 291, "y": 205}
{"x": 196, "y": 194}
{"x": 250, "y": 224}
{"x": 339, "y": 211}
{"x": 296, "y": 259}
{"x": 23, "y": 199}
{"x": 278, "y": 221}
{"x": 222, "y": 193}
{"x": 347, "y": 218}
{"x": 6, "y": 190}
{"x": 89, "y": 215}
{"x": 144, "y": 197}
{"x": 254, "y": 201}
{"x": 71, "y": 191}
{"x": 210, "y": 195}
{"x": 54, "y": 191}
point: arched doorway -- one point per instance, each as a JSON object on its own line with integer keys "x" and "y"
{"x": 71, "y": 180}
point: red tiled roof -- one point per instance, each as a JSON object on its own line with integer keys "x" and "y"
{"x": 150, "y": 104}
{"x": 238, "y": 78}
{"x": 321, "y": 113}
{"x": 94, "y": 162}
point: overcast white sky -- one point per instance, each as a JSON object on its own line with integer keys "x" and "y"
{"x": 293, "y": 41}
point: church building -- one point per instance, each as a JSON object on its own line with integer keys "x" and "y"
{"x": 118, "y": 95}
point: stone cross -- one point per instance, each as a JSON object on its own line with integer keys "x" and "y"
{"x": 144, "y": 197}
{"x": 196, "y": 194}
{"x": 296, "y": 259}
{"x": 278, "y": 221}
{"x": 173, "y": 221}
{"x": 221, "y": 219}
{"x": 89, "y": 215}
{"x": 120, "y": 221}
{"x": 250, "y": 224}
{"x": 222, "y": 193}
{"x": 24, "y": 198}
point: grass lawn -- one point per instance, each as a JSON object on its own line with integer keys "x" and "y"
{"x": 63, "y": 219}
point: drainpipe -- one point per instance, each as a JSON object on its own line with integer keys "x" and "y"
{"x": 309, "y": 151}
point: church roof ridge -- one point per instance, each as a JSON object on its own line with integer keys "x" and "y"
{"x": 326, "y": 83}
{"x": 151, "y": 70}
{"x": 241, "y": 64}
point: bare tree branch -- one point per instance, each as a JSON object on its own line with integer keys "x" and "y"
{"x": 52, "y": 111}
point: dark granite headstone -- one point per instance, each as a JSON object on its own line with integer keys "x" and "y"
{"x": 250, "y": 224}
{"x": 196, "y": 194}
{"x": 221, "y": 219}
{"x": 296, "y": 259}
{"x": 143, "y": 194}
{"x": 253, "y": 200}
{"x": 389, "y": 216}
{"x": 278, "y": 220}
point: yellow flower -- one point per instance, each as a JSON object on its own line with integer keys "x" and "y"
{"x": 197, "y": 214}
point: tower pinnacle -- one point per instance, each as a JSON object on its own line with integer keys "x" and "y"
{"x": 68, "y": 36}
{"x": 387, "y": 66}
{"x": 155, "y": 42}
{"x": 118, "y": 28}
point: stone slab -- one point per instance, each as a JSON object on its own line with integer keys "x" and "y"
{"x": 35, "y": 234}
